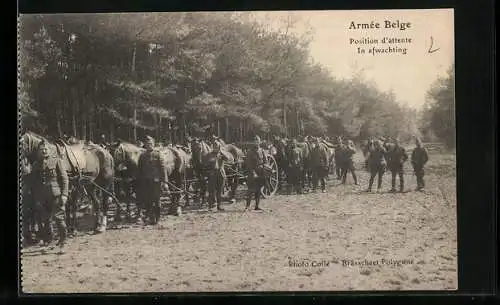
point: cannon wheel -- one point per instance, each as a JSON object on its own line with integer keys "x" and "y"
{"x": 272, "y": 181}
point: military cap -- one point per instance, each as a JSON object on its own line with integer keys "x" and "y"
{"x": 149, "y": 139}
{"x": 256, "y": 137}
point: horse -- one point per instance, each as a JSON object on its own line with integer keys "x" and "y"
{"x": 126, "y": 156}
{"x": 176, "y": 162}
{"x": 280, "y": 155}
{"x": 88, "y": 166}
{"x": 233, "y": 167}
{"x": 199, "y": 150}
{"x": 307, "y": 166}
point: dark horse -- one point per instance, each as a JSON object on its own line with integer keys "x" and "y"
{"x": 280, "y": 155}
{"x": 126, "y": 156}
{"x": 89, "y": 166}
{"x": 176, "y": 163}
{"x": 233, "y": 166}
{"x": 199, "y": 150}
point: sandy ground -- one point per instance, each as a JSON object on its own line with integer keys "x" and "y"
{"x": 300, "y": 242}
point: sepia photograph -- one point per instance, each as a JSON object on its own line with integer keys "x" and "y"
{"x": 241, "y": 151}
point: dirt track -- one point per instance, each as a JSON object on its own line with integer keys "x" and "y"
{"x": 252, "y": 251}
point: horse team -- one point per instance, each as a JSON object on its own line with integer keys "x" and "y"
{"x": 56, "y": 173}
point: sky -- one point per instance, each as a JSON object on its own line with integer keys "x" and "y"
{"x": 409, "y": 76}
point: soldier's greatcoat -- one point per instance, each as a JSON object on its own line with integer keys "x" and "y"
{"x": 151, "y": 174}
{"x": 50, "y": 183}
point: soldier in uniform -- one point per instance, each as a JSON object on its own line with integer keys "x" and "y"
{"x": 295, "y": 166}
{"x": 50, "y": 194}
{"x": 319, "y": 160}
{"x": 216, "y": 175}
{"x": 256, "y": 180}
{"x": 419, "y": 158}
{"x": 339, "y": 157}
{"x": 348, "y": 162}
{"x": 377, "y": 164}
{"x": 102, "y": 141}
{"x": 397, "y": 156}
{"x": 152, "y": 176}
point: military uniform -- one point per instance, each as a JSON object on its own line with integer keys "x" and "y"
{"x": 255, "y": 161}
{"x": 397, "y": 156}
{"x": 216, "y": 175}
{"x": 319, "y": 161}
{"x": 51, "y": 185}
{"x": 419, "y": 158}
{"x": 377, "y": 164}
{"x": 339, "y": 157}
{"x": 151, "y": 175}
{"x": 295, "y": 167}
{"x": 348, "y": 163}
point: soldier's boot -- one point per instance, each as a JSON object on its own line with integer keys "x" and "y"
{"x": 247, "y": 206}
{"x": 257, "y": 202}
{"x": 101, "y": 223}
{"x": 370, "y": 184}
{"x": 219, "y": 207}
{"x": 393, "y": 183}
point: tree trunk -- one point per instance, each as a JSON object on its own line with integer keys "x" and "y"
{"x": 134, "y": 51}
{"x": 226, "y": 134}
{"x": 284, "y": 119}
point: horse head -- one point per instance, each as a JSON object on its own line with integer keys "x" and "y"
{"x": 126, "y": 156}
{"x": 199, "y": 149}
{"x": 29, "y": 146}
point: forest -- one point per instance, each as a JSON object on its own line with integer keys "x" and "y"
{"x": 171, "y": 75}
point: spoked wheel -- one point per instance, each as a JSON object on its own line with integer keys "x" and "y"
{"x": 272, "y": 178}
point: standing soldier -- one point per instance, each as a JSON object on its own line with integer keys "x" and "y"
{"x": 216, "y": 175}
{"x": 377, "y": 164}
{"x": 152, "y": 175}
{"x": 102, "y": 141}
{"x": 319, "y": 160}
{"x": 419, "y": 158}
{"x": 295, "y": 166}
{"x": 255, "y": 163}
{"x": 397, "y": 156}
{"x": 339, "y": 156}
{"x": 51, "y": 194}
{"x": 348, "y": 162}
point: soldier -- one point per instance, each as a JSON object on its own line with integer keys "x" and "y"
{"x": 216, "y": 175}
{"x": 397, "y": 156}
{"x": 295, "y": 166}
{"x": 339, "y": 157}
{"x": 377, "y": 164}
{"x": 319, "y": 160}
{"x": 419, "y": 158}
{"x": 51, "y": 194}
{"x": 348, "y": 163}
{"x": 102, "y": 141}
{"x": 256, "y": 180}
{"x": 152, "y": 175}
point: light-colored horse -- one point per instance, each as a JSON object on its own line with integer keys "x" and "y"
{"x": 88, "y": 166}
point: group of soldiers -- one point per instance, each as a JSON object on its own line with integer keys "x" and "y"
{"x": 51, "y": 180}
{"x": 381, "y": 155}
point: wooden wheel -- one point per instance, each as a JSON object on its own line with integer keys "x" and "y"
{"x": 272, "y": 178}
